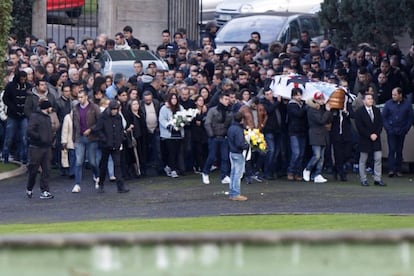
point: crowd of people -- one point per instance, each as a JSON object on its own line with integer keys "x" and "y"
{"x": 122, "y": 126}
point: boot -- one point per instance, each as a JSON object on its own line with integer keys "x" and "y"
{"x": 121, "y": 187}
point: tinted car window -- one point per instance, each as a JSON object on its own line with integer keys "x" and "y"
{"x": 238, "y": 30}
{"x": 307, "y": 25}
{"x": 294, "y": 30}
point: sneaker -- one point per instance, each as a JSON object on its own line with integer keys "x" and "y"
{"x": 46, "y": 195}
{"x": 77, "y": 188}
{"x": 29, "y": 193}
{"x": 306, "y": 175}
{"x": 257, "y": 178}
{"x": 213, "y": 168}
{"x": 238, "y": 198}
{"x": 96, "y": 179}
{"x": 174, "y": 174}
{"x": 205, "y": 178}
{"x": 112, "y": 178}
{"x": 320, "y": 179}
{"x": 167, "y": 170}
{"x": 290, "y": 177}
{"x": 225, "y": 180}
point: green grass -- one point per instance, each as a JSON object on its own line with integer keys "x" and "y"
{"x": 222, "y": 223}
{"x": 7, "y": 167}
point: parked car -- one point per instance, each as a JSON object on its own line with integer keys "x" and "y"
{"x": 229, "y": 9}
{"x": 283, "y": 27}
{"x": 73, "y": 8}
{"x": 122, "y": 61}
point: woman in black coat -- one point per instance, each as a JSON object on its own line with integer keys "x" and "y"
{"x": 136, "y": 121}
{"x": 199, "y": 135}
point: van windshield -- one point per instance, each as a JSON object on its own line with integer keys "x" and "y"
{"x": 239, "y": 30}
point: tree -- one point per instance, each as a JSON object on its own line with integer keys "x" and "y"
{"x": 6, "y": 7}
{"x": 22, "y": 19}
{"x": 378, "y": 22}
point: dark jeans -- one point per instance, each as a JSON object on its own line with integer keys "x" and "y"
{"x": 39, "y": 157}
{"x": 103, "y": 165}
{"x": 218, "y": 145}
{"x": 173, "y": 152}
{"x": 395, "y": 149}
{"x": 342, "y": 153}
{"x": 15, "y": 133}
{"x": 297, "y": 149}
{"x": 200, "y": 152}
{"x": 153, "y": 150}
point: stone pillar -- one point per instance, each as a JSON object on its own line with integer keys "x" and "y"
{"x": 107, "y": 17}
{"x": 184, "y": 14}
{"x": 39, "y": 19}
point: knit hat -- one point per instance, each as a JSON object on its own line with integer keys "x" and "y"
{"x": 45, "y": 105}
{"x": 318, "y": 96}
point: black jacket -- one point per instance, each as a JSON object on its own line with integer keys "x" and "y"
{"x": 366, "y": 127}
{"x": 39, "y": 130}
{"x": 14, "y": 98}
{"x": 110, "y": 130}
{"x": 297, "y": 121}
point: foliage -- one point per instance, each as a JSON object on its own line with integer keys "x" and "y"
{"x": 22, "y": 19}
{"x": 378, "y": 22}
{"x": 5, "y": 23}
{"x": 222, "y": 223}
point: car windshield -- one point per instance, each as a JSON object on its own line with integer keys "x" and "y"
{"x": 238, "y": 30}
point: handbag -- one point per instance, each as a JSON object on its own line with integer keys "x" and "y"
{"x": 64, "y": 160}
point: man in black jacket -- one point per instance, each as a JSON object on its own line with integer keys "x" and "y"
{"x": 369, "y": 124}
{"x": 14, "y": 98}
{"x": 40, "y": 136}
{"x": 111, "y": 134}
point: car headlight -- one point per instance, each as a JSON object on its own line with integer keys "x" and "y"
{"x": 246, "y": 8}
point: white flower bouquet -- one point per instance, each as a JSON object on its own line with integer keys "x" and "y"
{"x": 183, "y": 117}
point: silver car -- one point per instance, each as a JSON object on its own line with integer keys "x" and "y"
{"x": 229, "y": 9}
{"x": 272, "y": 27}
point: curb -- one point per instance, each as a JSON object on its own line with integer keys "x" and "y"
{"x": 16, "y": 172}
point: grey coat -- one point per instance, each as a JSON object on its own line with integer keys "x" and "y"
{"x": 319, "y": 121}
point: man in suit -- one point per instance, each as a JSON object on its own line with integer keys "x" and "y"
{"x": 368, "y": 121}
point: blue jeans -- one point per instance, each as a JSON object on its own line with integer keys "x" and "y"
{"x": 395, "y": 149}
{"x": 81, "y": 146}
{"x": 237, "y": 169}
{"x": 110, "y": 162}
{"x": 270, "y": 154}
{"x": 15, "y": 132}
{"x": 297, "y": 149}
{"x": 317, "y": 160}
{"x": 218, "y": 145}
{"x": 72, "y": 161}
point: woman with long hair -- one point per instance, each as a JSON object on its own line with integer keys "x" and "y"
{"x": 171, "y": 134}
{"x": 137, "y": 136}
{"x": 199, "y": 135}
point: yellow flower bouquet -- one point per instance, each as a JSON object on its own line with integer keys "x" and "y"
{"x": 255, "y": 139}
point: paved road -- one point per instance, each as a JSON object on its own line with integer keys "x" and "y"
{"x": 186, "y": 197}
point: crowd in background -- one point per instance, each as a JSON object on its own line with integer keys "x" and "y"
{"x": 218, "y": 84}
